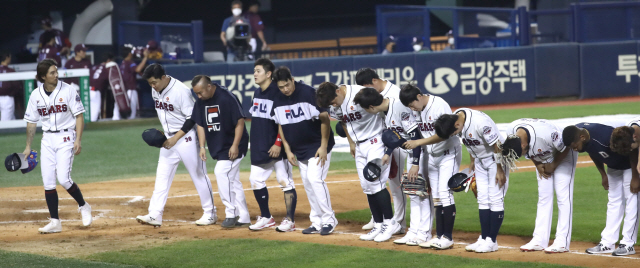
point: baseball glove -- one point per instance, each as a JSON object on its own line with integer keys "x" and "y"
{"x": 418, "y": 187}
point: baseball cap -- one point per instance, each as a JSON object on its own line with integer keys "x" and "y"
{"x": 80, "y": 47}
{"x": 154, "y": 137}
{"x": 392, "y": 139}
{"x": 46, "y": 20}
{"x": 15, "y": 162}
{"x": 417, "y": 40}
{"x": 152, "y": 45}
{"x": 389, "y": 40}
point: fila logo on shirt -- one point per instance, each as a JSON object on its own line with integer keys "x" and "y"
{"x": 350, "y": 117}
{"x": 259, "y": 107}
{"x": 291, "y": 113}
{"x": 213, "y": 118}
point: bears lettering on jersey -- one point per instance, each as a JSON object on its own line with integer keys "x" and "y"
{"x": 164, "y": 106}
{"x": 397, "y": 129}
{"x": 292, "y": 113}
{"x": 52, "y": 110}
{"x": 425, "y": 126}
{"x": 350, "y": 117}
{"x": 471, "y": 142}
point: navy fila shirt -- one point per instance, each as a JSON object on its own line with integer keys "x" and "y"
{"x": 598, "y": 146}
{"x": 263, "y": 129}
{"x": 298, "y": 115}
{"x": 219, "y": 116}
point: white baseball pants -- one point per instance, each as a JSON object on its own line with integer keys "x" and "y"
{"x": 7, "y": 108}
{"x": 230, "y": 189}
{"x": 622, "y": 204}
{"x": 490, "y": 194}
{"x": 56, "y": 158}
{"x": 441, "y": 169}
{"x": 365, "y": 152}
{"x": 284, "y": 175}
{"x": 399, "y": 198}
{"x": 313, "y": 178}
{"x": 133, "y": 103}
{"x": 96, "y": 104}
{"x": 422, "y": 210}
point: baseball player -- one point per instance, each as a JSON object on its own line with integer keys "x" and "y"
{"x": 129, "y": 70}
{"x": 8, "y": 89}
{"x": 48, "y": 48}
{"x": 221, "y": 113}
{"x": 306, "y": 134}
{"x": 621, "y": 142}
{"x": 541, "y": 141}
{"x": 266, "y": 153}
{"x": 444, "y": 161}
{"x": 484, "y": 143}
{"x": 595, "y": 139}
{"x": 60, "y": 110}
{"x": 77, "y": 62}
{"x": 364, "y": 134}
{"x": 367, "y": 77}
{"x": 174, "y": 105}
{"x": 99, "y": 83}
{"x": 400, "y": 118}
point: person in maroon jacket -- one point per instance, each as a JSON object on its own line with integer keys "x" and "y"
{"x": 99, "y": 83}
{"x": 48, "y": 49}
{"x": 129, "y": 69}
{"x": 79, "y": 61}
{"x": 62, "y": 42}
{"x": 257, "y": 28}
{"x": 8, "y": 89}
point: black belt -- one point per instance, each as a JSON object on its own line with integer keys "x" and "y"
{"x": 58, "y": 131}
{"x": 171, "y": 134}
{"x": 358, "y": 142}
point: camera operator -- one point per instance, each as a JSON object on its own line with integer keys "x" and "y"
{"x": 237, "y": 44}
{"x": 129, "y": 69}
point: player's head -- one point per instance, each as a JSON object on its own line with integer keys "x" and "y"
{"x": 623, "y": 140}
{"x": 262, "y": 71}
{"x": 236, "y": 7}
{"x": 412, "y": 97}
{"x": 109, "y": 57}
{"x": 329, "y": 94}
{"x": 125, "y": 51}
{"x": 447, "y": 125}
{"x": 283, "y": 78}
{"x": 5, "y": 57}
{"x": 202, "y": 86}
{"x": 511, "y": 149}
{"x": 369, "y": 99}
{"x": 575, "y": 138}
{"x": 80, "y": 50}
{"x": 48, "y": 38}
{"x": 254, "y": 6}
{"x": 367, "y": 77}
{"x": 47, "y": 72}
{"x": 156, "y": 77}
{"x": 46, "y": 21}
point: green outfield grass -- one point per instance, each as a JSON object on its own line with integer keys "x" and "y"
{"x": 17, "y": 259}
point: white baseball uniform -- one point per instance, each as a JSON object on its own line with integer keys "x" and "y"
{"x": 174, "y": 106}
{"x": 57, "y": 112}
{"x": 545, "y": 142}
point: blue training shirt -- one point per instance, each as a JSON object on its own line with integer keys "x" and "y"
{"x": 219, "y": 116}
{"x": 598, "y": 147}
{"x": 263, "y": 129}
{"x": 298, "y": 115}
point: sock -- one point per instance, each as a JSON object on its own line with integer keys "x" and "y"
{"x": 75, "y": 192}
{"x": 449, "y": 217}
{"x": 374, "y": 207}
{"x": 290, "y": 200}
{"x": 384, "y": 201}
{"x": 496, "y": 223}
{"x": 52, "y": 202}
{"x": 485, "y": 222}
{"x": 262, "y": 197}
{"x": 439, "y": 221}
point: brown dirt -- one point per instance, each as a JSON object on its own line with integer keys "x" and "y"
{"x": 115, "y": 206}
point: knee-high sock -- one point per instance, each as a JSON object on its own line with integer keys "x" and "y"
{"x": 75, "y": 192}
{"x": 449, "y": 217}
{"x": 376, "y": 212}
{"x": 290, "y": 200}
{"x": 262, "y": 197}
{"x": 485, "y": 222}
{"x": 439, "y": 221}
{"x": 496, "y": 223}
{"x": 52, "y": 202}
{"x": 384, "y": 199}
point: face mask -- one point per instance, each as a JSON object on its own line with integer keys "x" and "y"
{"x": 417, "y": 47}
{"x": 236, "y": 11}
{"x": 451, "y": 41}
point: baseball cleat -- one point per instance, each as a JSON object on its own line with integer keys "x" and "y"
{"x": 401, "y": 231}
{"x": 263, "y": 222}
{"x": 430, "y": 242}
{"x": 475, "y": 245}
{"x": 146, "y": 219}
{"x": 531, "y": 246}
{"x": 229, "y": 222}
{"x": 85, "y": 211}
{"x": 600, "y": 249}
{"x": 388, "y": 228}
{"x": 624, "y": 250}
{"x": 555, "y": 249}
{"x": 487, "y": 246}
{"x": 207, "y": 220}
{"x": 54, "y": 226}
{"x": 369, "y": 225}
{"x": 443, "y": 243}
{"x": 377, "y": 228}
{"x": 310, "y": 230}
{"x": 327, "y": 229}
{"x": 286, "y": 226}
{"x": 408, "y": 237}
{"x": 243, "y": 224}
{"x": 415, "y": 242}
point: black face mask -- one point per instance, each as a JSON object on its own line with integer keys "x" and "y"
{"x": 393, "y": 47}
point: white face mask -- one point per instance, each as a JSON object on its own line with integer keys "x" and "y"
{"x": 236, "y": 11}
{"x": 451, "y": 41}
{"x": 417, "y": 47}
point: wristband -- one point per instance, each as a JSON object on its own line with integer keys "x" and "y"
{"x": 415, "y": 161}
{"x": 278, "y": 141}
{"x": 202, "y": 147}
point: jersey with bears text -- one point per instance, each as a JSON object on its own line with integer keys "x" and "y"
{"x": 174, "y": 105}
{"x": 57, "y": 111}
{"x": 360, "y": 124}
{"x": 427, "y": 118}
{"x": 545, "y": 138}
{"x": 479, "y": 133}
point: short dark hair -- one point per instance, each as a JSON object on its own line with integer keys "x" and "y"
{"x": 43, "y": 68}
{"x": 445, "y": 125}
{"x": 365, "y": 76}
{"x": 4, "y": 55}
{"x": 254, "y": 2}
{"x": 154, "y": 70}
{"x": 409, "y": 93}
{"x": 236, "y": 2}
{"x": 570, "y": 134}
{"x": 514, "y": 143}
{"x": 282, "y": 74}
{"x": 325, "y": 94}
{"x": 109, "y": 56}
{"x": 368, "y": 97}
{"x": 621, "y": 140}
{"x": 47, "y": 36}
{"x": 266, "y": 64}
{"x": 125, "y": 51}
{"x": 198, "y": 78}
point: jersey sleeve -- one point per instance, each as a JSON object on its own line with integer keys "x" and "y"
{"x": 186, "y": 103}
{"x": 225, "y": 25}
{"x": 409, "y": 120}
{"x": 75, "y": 105}
{"x": 235, "y": 109}
{"x": 31, "y": 114}
{"x": 488, "y": 131}
{"x": 196, "y": 114}
{"x": 556, "y": 141}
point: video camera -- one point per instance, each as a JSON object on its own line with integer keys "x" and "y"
{"x": 239, "y": 34}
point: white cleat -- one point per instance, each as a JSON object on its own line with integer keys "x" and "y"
{"x": 531, "y": 246}
{"x": 408, "y": 237}
{"x": 388, "y": 228}
{"x": 85, "y": 211}
{"x": 555, "y": 249}
{"x": 416, "y": 241}
{"x": 262, "y": 223}
{"x": 487, "y": 246}
{"x": 443, "y": 243}
{"x": 377, "y": 228}
{"x": 54, "y": 226}
{"x": 286, "y": 226}
{"x": 146, "y": 219}
{"x": 207, "y": 220}
{"x": 430, "y": 242}
{"x": 369, "y": 225}
{"x": 475, "y": 245}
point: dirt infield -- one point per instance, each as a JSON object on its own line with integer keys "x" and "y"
{"x": 116, "y": 203}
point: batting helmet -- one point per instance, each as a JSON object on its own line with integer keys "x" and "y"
{"x": 459, "y": 181}
{"x": 392, "y": 139}
{"x": 372, "y": 170}
{"x": 340, "y": 130}
{"x": 154, "y": 137}
{"x": 16, "y": 161}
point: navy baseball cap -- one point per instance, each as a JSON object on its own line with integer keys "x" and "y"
{"x": 340, "y": 130}
{"x": 372, "y": 170}
{"x": 392, "y": 139}
{"x": 16, "y": 161}
{"x": 389, "y": 39}
{"x": 154, "y": 137}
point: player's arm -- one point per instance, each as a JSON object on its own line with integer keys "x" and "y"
{"x": 325, "y": 131}
{"x": 603, "y": 173}
{"x": 202, "y": 142}
{"x": 501, "y": 177}
{"x": 287, "y": 149}
{"x": 421, "y": 142}
{"x": 276, "y": 148}
{"x": 142, "y": 63}
{"x": 234, "y": 151}
{"x": 549, "y": 168}
{"x": 415, "y": 157}
{"x": 352, "y": 145}
{"x": 31, "y": 131}
{"x": 223, "y": 37}
{"x": 540, "y": 167}
{"x": 635, "y": 176}
{"x": 186, "y": 127}
{"x": 79, "y": 128}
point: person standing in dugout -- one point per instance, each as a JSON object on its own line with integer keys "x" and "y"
{"x": 220, "y": 120}
{"x": 266, "y": 152}
{"x": 59, "y": 108}
{"x": 307, "y": 137}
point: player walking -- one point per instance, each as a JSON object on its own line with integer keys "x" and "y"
{"x": 364, "y": 134}
{"x": 266, "y": 152}
{"x": 595, "y": 139}
{"x": 555, "y": 164}
{"x": 174, "y": 105}
{"x": 367, "y": 77}
{"x": 444, "y": 161}
{"x": 221, "y": 113}
{"x": 308, "y": 139}
{"x": 57, "y": 105}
